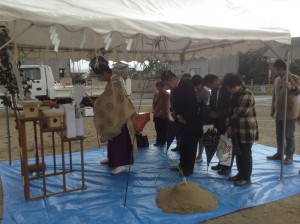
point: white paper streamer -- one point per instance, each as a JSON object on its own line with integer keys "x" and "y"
{"x": 83, "y": 39}
{"x": 78, "y": 93}
{"x": 51, "y": 29}
{"x": 54, "y": 38}
{"x": 56, "y": 45}
{"x": 106, "y": 37}
{"x": 107, "y": 41}
{"x": 129, "y": 43}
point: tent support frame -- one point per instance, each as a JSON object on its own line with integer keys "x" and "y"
{"x": 287, "y": 61}
{"x": 16, "y": 36}
{"x": 8, "y": 133}
{"x": 281, "y": 178}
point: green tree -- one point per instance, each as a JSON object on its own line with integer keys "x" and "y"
{"x": 154, "y": 68}
{"x": 7, "y": 77}
{"x": 295, "y": 67}
{"x": 253, "y": 65}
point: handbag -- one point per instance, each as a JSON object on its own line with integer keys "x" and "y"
{"x": 224, "y": 150}
{"x": 141, "y": 140}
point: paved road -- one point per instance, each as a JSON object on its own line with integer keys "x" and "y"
{"x": 263, "y": 100}
{"x": 146, "y": 100}
{"x": 148, "y": 97}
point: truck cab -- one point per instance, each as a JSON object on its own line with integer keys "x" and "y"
{"x": 41, "y": 79}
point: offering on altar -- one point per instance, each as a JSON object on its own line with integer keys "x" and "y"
{"x": 54, "y": 117}
{"x": 31, "y": 107}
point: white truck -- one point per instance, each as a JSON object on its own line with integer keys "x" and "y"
{"x": 44, "y": 86}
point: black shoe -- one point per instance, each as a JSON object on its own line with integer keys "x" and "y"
{"x": 224, "y": 171}
{"x": 217, "y": 167}
{"x": 240, "y": 183}
{"x": 176, "y": 149}
{"x": 276, "y": 156}
{"x": 233, "y": 178}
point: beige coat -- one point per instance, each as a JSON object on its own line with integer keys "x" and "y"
{"x": 112, "y": 110}
{"x": 278, "y": 98}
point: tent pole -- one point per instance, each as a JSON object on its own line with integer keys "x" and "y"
{"x": 281, "y": 178}
{"x": 15, "y": 37}
{"x": 274, "y": 50}
{"x": 8, "y": 133}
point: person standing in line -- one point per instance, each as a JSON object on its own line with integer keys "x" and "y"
{"x": 202, "y": 96}
{"x": 277, "y": 111}
{"x": 161, "y": 113}
{"x": 187, "y": 77}
{"x": 185, "y": 113}
{"x": 113, "y": 113}
{"x": 219, "y": 111}
{"x": 242, "y": 122}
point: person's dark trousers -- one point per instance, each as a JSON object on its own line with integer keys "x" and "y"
{"x": 178, "y": 140}
{"x": 161, "y": 127}
{"x": 289, "y": 137}
{"x": 188, "y": 150}
{"x": 244, "y": 161}
{"x": 235, "y": 149}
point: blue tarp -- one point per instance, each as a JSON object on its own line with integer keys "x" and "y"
{"x": 103, "y": 200}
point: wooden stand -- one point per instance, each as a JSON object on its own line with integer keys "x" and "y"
{"x": 40, "y": 167}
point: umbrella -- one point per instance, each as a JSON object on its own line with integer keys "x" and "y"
{"x": 173, "y": 130}
{"x": 210, "y": 141}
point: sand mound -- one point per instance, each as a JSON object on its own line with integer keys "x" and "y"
{"x": 185, "y": 198}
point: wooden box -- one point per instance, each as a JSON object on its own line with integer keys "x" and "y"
{"x": 53, "y": 117}
{"x": 53, "y": 121}
{"x": 31, "y": 110}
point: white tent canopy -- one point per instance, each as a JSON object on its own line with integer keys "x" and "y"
{"x": 170, "y": 29}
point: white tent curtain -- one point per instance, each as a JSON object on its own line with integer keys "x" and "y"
{"x": 169, "y": 29}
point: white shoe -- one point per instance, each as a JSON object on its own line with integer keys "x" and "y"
{"x": 104, "y": 161}
{"x": 119, "y": 170}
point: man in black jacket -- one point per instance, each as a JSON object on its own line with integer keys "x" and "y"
{"x": 185, "y": 112}
{"x": 219, "y": 110}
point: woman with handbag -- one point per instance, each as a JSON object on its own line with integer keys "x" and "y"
{"x": 243, "y": 125}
